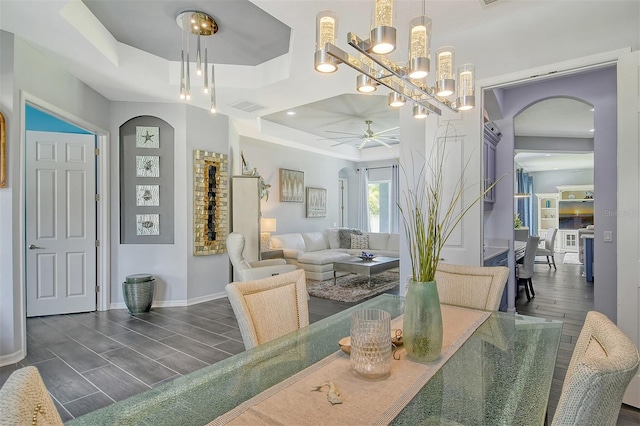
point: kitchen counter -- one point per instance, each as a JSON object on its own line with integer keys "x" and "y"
{"x": 491, "y": 252}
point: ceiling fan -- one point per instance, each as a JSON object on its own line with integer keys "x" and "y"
{"x": 383, "y": 137}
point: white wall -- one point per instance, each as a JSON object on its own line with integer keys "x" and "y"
{"x": 320, "y": 171}
{"x": 25, "y": 71}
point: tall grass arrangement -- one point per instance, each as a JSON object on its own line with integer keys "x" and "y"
{"x": 428, "y": 215}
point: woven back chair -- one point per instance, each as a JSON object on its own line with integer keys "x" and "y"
{"x": 603, "y": 363}
{"x": 270, "y": 307}
{"x": 24, "y": 400}
{"x": 477, "y": 287}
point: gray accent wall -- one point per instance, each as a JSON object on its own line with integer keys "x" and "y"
{"x": 597, "y": 87}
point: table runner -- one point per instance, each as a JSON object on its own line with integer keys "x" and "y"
{"x": 365, "y": 401}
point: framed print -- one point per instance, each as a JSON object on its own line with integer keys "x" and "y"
{"x": 148, "y": 224}
{"x": 147, "y": 166}
{"x": 291, "y": 186}
{"x": 147, "y": 137}
{"x": 147, "y": 195}
{"x": 3, "y": 152}
{"x": 316, "y": 202}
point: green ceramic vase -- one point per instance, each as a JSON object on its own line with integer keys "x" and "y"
{"x": 422, "y": 329}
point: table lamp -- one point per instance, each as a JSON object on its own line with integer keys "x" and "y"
{"x": 267, "y": 225}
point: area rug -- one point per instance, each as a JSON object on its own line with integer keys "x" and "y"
{"x": 571, "y": 259}
{"x": 353, "y": 288}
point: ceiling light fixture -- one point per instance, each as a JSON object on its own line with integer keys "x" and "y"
{"x": 198, "y": 24}
{"x": 408, "y": 83}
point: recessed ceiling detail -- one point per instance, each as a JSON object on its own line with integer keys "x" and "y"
{"x": 248, "y": 35}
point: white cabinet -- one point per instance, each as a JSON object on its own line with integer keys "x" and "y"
{"x": 492, "y": 136}
{"x": 245, "y": 213}
{"x": 547, "y": 211}
{"x": 568, "y": 240}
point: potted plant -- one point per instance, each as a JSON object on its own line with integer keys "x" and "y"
{"x": 429, "y": 217}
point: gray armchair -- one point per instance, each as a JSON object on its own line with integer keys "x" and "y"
{"x": 248, "y": 271}
{"x": 525, "y": 269}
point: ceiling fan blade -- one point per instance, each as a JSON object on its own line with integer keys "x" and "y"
{"x": 343, "y": 133}
{"x": 341, "y": 137}
{"x": 388, "y": 130}
{"x": 341, "y": 143}
{"x": 364, "y": 142}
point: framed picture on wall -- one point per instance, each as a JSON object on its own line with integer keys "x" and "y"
{"x": 316, "y": 202}
{"x": 291, "y": 186}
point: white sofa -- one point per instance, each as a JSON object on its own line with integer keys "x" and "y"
{"x": 315, "y": 252}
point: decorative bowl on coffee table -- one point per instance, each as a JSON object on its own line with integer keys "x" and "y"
{"x": 367, "y": 256}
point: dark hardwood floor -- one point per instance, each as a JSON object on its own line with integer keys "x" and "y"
{"x": 92, "y": 360}
{"x": 565, "y": 295}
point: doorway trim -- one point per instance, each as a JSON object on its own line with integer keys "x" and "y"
{"x": 103, "y": 271}
{"x": 538, "y": 74}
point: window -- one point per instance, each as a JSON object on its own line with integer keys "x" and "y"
{"x": 379, "y": 206}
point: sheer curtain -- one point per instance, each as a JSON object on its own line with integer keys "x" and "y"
{"x": 395, "y": 198}
{"x": 524, "y": 183}
{"x": 363, "y": 199}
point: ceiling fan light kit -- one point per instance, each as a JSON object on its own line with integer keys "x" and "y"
{"x": 198, "y": 24}
{"x": 408, "y": 83}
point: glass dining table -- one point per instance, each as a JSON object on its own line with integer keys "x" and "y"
{"x": 501, "y": 375}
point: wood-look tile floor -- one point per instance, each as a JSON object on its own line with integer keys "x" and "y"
{"x": 92, "y": 360}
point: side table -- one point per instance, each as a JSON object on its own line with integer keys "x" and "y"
{"x": 272, "y": 254}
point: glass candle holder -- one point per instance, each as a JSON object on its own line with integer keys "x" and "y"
{"x": 371, "y": 343}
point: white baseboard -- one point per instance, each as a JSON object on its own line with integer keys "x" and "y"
{"x": 12, "y": 358}
{"x": 175, "y": 303}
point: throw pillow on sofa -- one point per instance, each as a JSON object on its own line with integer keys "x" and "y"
{"x": 360, "y": 242}
{"x": 345, "y": 236}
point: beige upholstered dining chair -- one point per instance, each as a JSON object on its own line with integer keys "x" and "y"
{"x": 477, "y": 287}
{"x": 270, "y": 307}
{"x": 603, "y": 363}
{"x": 548, "y": 250}
{"x": 24, "y": 400}
{"x": 525, "y": 269}
{"x": 252, "y": 270}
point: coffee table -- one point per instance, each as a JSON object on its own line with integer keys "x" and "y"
{"x": 355, "y": 265}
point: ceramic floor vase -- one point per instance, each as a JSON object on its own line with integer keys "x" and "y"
{"x": 422, "y": 329}
{"x": 138, "y": 291}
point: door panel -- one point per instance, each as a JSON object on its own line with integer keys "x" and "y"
{"x": 60, "y": 223}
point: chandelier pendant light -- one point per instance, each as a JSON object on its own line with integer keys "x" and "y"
{"x": 202, "y": 26}
{"x": 406, "y": 83}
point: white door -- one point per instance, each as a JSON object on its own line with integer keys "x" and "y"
{"x": 464, "y": 247}
{"x": 464, "y": 141}
{"x": 60, "y": 236}
{"x": 629, "y": 206}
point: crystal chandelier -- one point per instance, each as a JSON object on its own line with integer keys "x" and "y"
{"x": 407, "y": 83}
{"x": 198, "y": 24}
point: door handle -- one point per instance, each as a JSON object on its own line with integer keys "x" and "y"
{"x": 34, "y": 247}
